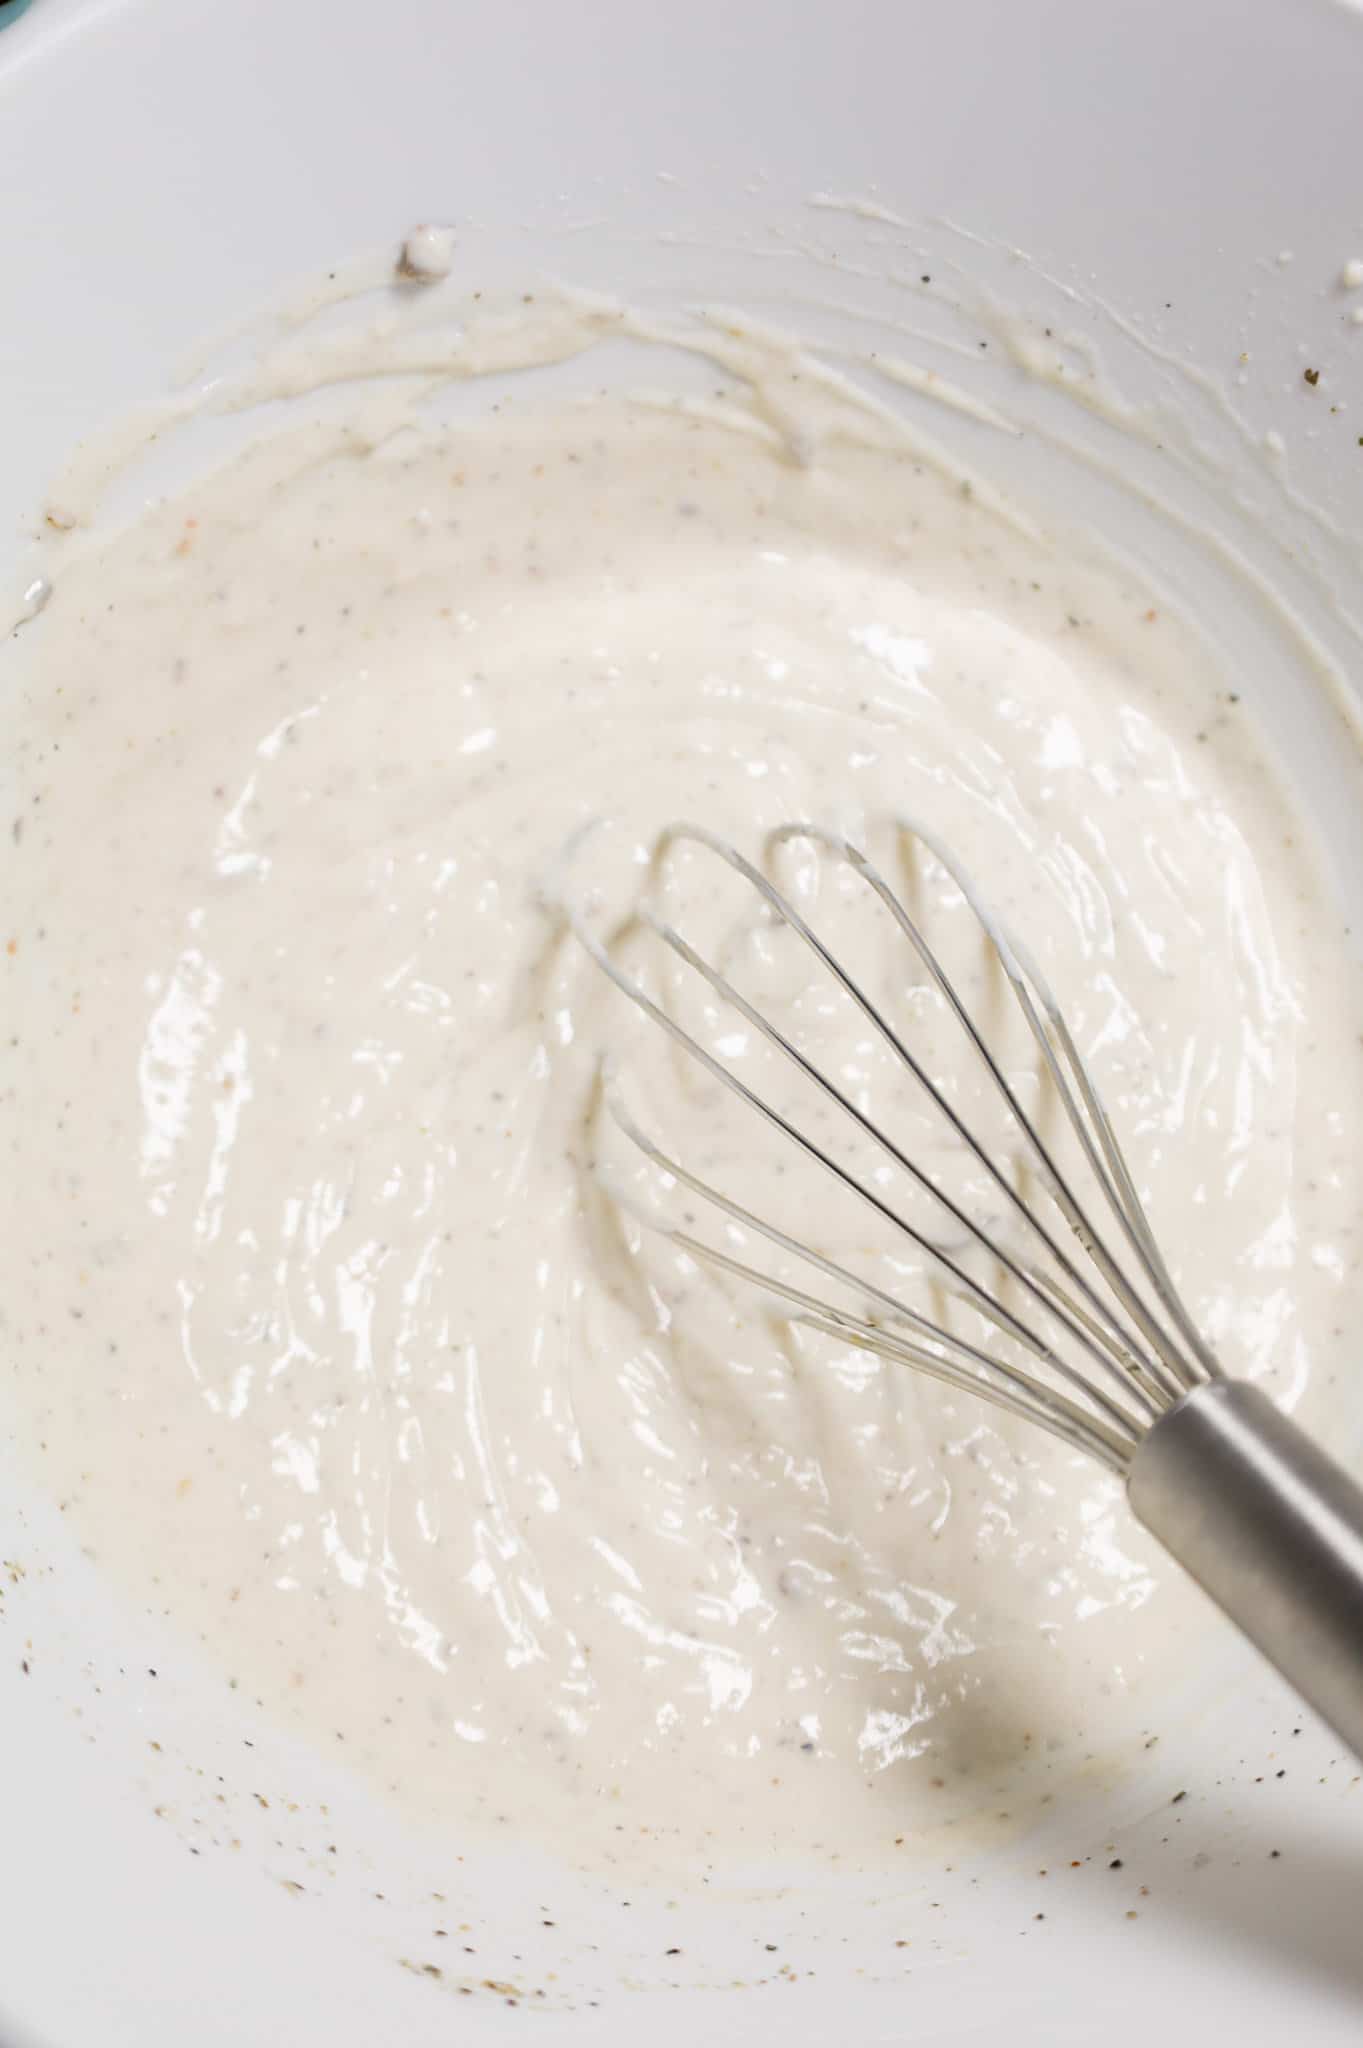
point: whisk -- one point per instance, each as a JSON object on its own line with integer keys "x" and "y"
{"x": 1085, "y": 1334}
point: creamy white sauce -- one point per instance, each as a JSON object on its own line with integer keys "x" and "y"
{"x": 320, "y": 1317}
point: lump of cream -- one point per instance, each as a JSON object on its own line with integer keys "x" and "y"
{"x": 427, "y": 253}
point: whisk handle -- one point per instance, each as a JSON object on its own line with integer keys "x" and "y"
{"x": 1272, "y": 1528}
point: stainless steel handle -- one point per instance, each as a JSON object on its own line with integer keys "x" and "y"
{"x": 1269, "y": 1526}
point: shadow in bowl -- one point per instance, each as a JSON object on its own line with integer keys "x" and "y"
{"x": 1279, "y": 1900}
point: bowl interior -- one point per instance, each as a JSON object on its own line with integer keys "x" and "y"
{"x": 1161, "y": 189}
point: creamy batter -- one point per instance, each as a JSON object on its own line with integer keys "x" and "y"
{"x": 318, "y": 1312}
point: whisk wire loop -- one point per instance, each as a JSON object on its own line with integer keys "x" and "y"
{"x": 1136, "y": 1360}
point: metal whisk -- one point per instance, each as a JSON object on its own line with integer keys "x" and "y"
{"x": 1086, "y": 1334}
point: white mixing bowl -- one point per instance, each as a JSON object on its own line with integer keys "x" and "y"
{"x": 1186, "y": 179}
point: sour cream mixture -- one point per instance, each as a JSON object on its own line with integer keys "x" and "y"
{"x": 318, "y": 1313}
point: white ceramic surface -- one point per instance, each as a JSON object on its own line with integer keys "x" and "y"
{"x": 166, "y": 166}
